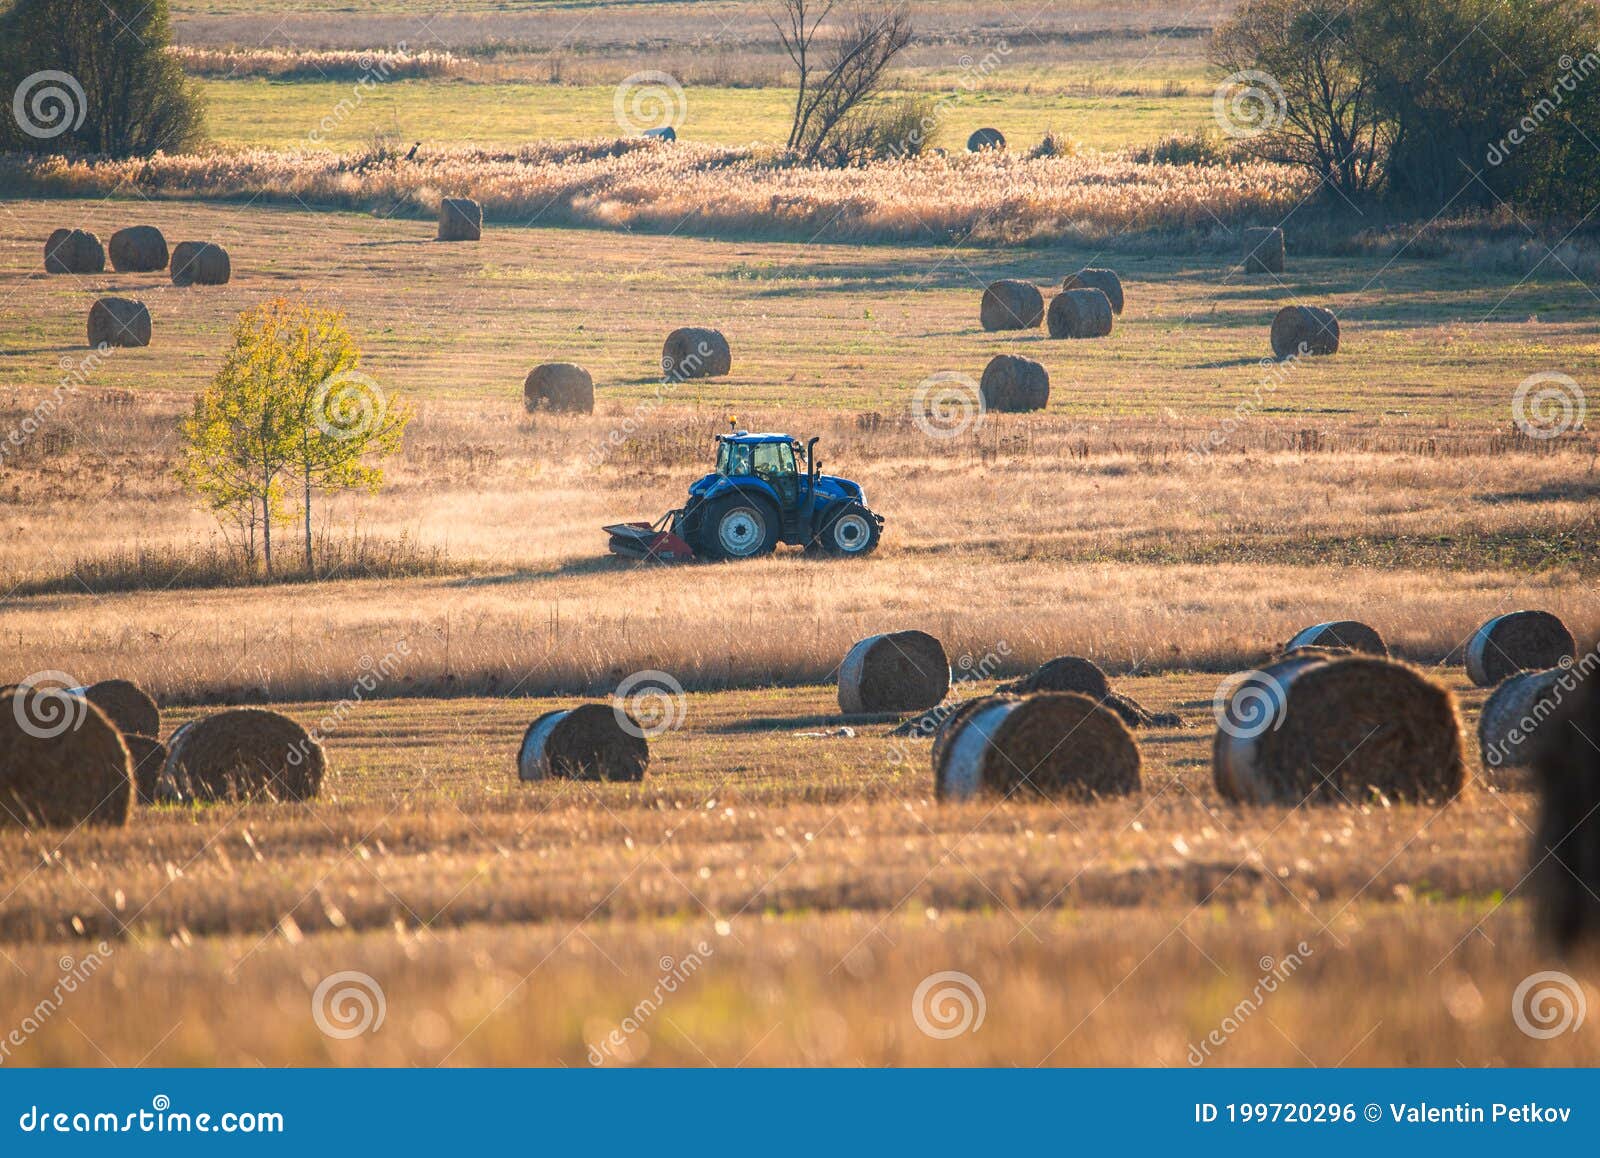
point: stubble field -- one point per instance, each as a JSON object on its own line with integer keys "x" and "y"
{"x": 783, "y": 888}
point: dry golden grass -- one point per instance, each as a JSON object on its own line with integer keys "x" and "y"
{"x": 513, "y": 923}
{"x": 992, "y": 197}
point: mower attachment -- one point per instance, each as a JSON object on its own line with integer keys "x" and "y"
{"x": 648, "y": 541}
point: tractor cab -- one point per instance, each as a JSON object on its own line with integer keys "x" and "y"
{"x": 759, "y": 495}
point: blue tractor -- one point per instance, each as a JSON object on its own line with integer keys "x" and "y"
{"x": 757, "y": 498}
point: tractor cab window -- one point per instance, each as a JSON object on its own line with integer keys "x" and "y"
{"x": 733, "y": 460}
{"x": 774, "y": 458}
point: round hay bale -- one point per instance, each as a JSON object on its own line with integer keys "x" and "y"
{"x": 1515, "y": 710}
{"x": 127, "y": 705}
{"x": 200, "y": 263}
{"x": 138, "y": 249}
{"x": 1014, "y": 383}
{"x": 1104, "y": 280}
{"x": 74, "y": 251}
{"x": 986, "y": 139}
{"x": 242, "y": 754}
{"x": 62, "y": 762}
{"x": 1328, "y": 731}
{"x": 1009, "y": 304}
{"x": 119, "y": 322}
{"x": 559, "y": 386}
{"x": 1080, "y": 313}
{"x": 589, "y": 742}
{"x": 460, "y": 219}
{"x": 695, "y": 352}
{"x": 901, "y": 671}
{"x": 1301, "y": 330}
{"x": 1263, "y": 250}
{"x": 1065, "y": 673}
{"x": 957, "y": 714}
{"x": 148, "y": 756}
{"x": 1056, "y": 744}
{"x": 1340, "y": 633}
{"x": 1518, "y": 641}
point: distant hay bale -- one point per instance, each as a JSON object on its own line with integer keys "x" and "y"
{"x": 1263, "y": 250}
{"x": 1516, "y": 710}
{"x": 695, "y": 352}
{"x": 62, "y": 762}
{"x": 560, "y": 386}
{"x": 148, "y": 756}
{"x": 119, "y": 322}
{"x": 74, "y": 251}
{"x": 1518, "y": 641}
{"x": 200, "y": 263}
{"x": 1298, "y": 331}
{"x": 138, "y": 249}
{"x": 1074, "y": 673}
{"x": 1080, "y": 313}
{"x": 1328, "y": 731}
{"x": 1565, "y": 856}
{"x": 1055, "y": 744}
{"x": 1009, "y": 304}
{"x": 1064, "y": 673}
{"x": 900, "y": 671}
{"x": 1015, "y": 384}
{"x": 588, "y": 742}
{"x": 244, "y": 754}
{"x": 460, "y": 219}
{"x": 1340, "y": 633}
{"x": 664, "y": 133}
{"x": 986, "y": 138}
{"x": 1104, "y": 280}
{"x": 127, "y": 705}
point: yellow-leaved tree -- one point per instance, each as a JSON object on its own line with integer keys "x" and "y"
{"x": 290, "y": 409}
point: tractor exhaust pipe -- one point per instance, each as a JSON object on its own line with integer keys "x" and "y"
{"x": 811, "y": 478}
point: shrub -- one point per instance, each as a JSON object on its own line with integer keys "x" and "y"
{"x": 127, "y": 96}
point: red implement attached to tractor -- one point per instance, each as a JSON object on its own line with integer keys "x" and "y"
{"x": 649, "y": 542}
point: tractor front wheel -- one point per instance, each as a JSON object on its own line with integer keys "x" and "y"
{"x": 737, "y": 527}
{"x": 852, "y": 532}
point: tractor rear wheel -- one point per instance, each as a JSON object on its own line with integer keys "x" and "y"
{"x": 852, "y": 532}
{"x": 738, "y": 527}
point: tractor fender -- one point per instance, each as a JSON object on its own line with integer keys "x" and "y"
{"x": 689, "y": 525}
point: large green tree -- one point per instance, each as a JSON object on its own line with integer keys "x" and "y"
{"x": 93, "y": 76}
